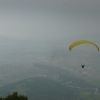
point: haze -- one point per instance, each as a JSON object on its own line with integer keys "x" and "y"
{"x": 40, "y": 31}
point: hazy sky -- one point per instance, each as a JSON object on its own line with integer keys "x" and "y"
{"x": 41, "y": 19}
{"x": 42, "y": 31}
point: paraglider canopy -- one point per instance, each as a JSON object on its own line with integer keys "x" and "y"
{"x": 82, "y": 42}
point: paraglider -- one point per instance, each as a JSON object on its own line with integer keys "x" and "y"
{"x": 82, "y": 42}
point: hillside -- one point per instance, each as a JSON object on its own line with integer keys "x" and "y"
{"x": 48, "y": 88}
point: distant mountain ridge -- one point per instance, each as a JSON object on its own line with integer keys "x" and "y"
{"x": 40, "y": 88}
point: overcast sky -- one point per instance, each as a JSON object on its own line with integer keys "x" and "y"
{"x": 41, "y": 19}
{"x": 54, "y": 24}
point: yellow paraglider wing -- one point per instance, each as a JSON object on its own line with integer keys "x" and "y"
{"x": 82, "y": 42}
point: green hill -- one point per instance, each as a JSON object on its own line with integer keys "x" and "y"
{"x": 52, "y": 83}
{"x": 41, "y": 89}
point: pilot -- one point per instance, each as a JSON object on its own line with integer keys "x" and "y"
{"x": 82, "y": 66}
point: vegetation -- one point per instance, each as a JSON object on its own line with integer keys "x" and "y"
{"x": 14, "y": 96}
{"x": 46, "y": 82}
